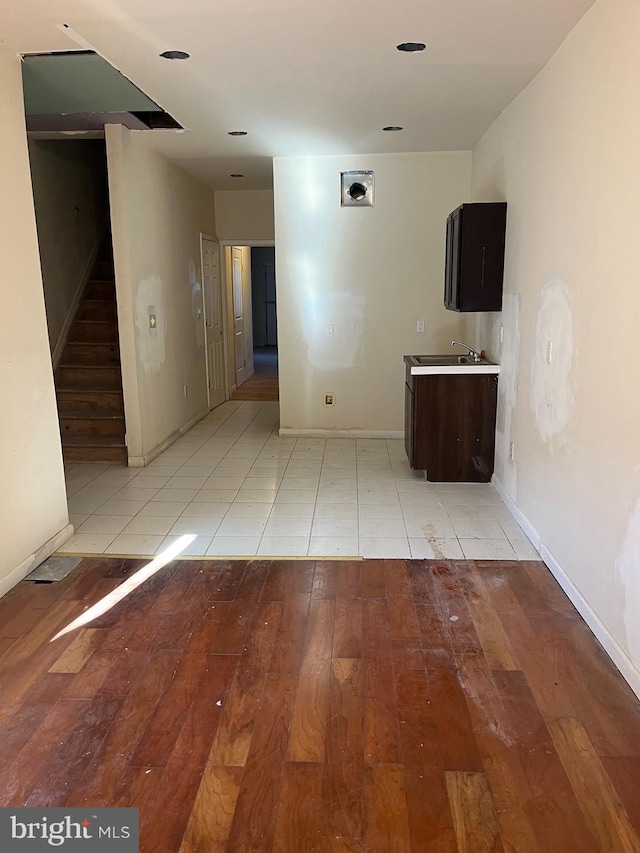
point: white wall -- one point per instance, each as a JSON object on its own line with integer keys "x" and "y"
{"x": 244, "y": 215}
{"x": 371, "y": 273}
{"x": 157, "y": 212}
{"x": 566, "y": 157}
{"x": 33, "y": 505}
{"x": 70, "y": 192}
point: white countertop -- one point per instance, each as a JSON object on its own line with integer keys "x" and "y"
{"x": 457, "y": 369}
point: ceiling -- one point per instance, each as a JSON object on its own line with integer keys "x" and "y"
{"x": 306, "y": 78}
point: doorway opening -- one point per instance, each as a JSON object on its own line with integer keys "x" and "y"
{"x": 265, "y": 321}
{"x": 69, "y": 181}
{"x": 251, "y": 289}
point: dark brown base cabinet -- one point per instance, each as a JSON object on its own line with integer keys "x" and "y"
{"x": 450, "y": 425}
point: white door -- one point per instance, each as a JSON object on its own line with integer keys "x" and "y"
{"x": 214, "y": 318}
{"x": 238, "y": 315}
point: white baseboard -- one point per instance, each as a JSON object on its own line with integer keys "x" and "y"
{"x": 606, "y": 639}
{"x": 516, "y": 512}
{"x": 39, "y": 556}
{"x": 344, "y": 433}
{"x": 612, "y": 647}
{"x": 142, "y": 461}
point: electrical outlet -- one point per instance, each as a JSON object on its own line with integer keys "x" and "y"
{"x": 420, "y": 326}
{"x": 512, "y": 451}
{"x": 329, "y": 399}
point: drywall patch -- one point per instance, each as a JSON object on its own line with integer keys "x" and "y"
{"x": 344, "y": 312}
{"x": 509, "y": 359}
{"x": 551, "y": 393}
{"x": 628, "y": 570}
{"x": 150, "y": 334}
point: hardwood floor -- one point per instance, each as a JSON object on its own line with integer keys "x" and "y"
{"x": 263, "y": 385}
{"x": 307, "y": 707}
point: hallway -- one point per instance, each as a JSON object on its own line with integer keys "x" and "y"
{"x": 263, "y": 385}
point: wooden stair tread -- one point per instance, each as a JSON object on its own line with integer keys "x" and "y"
{"x": 105, "y": 454}
{"x": 88, "y": 366}
{"x": 82, "y": 404}
{"x": 88, "y": 384}
{"x": 81, "y": 389}
{"x": 101, "y": 392}
{"x": 93, "y": 417}
{"x": 92, "y": 344}
{"x": 79, "y": 440}
{"x": 89, "y": 378}
{"x": 99, "y": 309}
{"x": 101, "y": 321}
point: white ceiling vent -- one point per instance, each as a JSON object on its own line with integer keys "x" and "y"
{"x": 356, "y": 189}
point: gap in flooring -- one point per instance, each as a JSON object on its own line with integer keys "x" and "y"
{"x": 243, "y": 490}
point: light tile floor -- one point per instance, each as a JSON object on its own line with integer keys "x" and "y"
{"x": 244, "y": 491}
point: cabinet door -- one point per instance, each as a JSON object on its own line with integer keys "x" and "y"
{"x": 453, "y": 420}
{"x": 456, "y": 232}
{"x": 481, "y": 256}
{"x": 447, "y": 264}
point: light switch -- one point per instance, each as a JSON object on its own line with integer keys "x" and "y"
{"x": 152, "y": 321}
{"x": 420, "y": 326}
{"x": 329, "y": 331}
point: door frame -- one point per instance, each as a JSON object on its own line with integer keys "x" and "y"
{"x": 224, "y": 273}
{"x": 225, "y": 345}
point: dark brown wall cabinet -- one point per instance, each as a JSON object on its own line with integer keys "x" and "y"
{"x": 474, "y": 262}
{"x": 450, "y": 424}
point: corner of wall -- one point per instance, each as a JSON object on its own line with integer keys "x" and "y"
{"x": 116, "y": 140}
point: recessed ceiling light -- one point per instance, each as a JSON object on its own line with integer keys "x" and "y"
{"x": 411, "y": 46}
{"x": 393, "y": 128}
{"x": 236, "y": 175}
{"x": 174, "y": 54}
{"x": 237, "y": 133}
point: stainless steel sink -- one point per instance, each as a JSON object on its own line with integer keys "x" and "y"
{"x": 447, "y": 363}
{"x": 445, "y": 359}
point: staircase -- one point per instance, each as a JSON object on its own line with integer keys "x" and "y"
{"x": 88, "y": 378}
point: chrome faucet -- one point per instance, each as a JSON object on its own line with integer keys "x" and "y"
{"x": 474, "y": 355}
